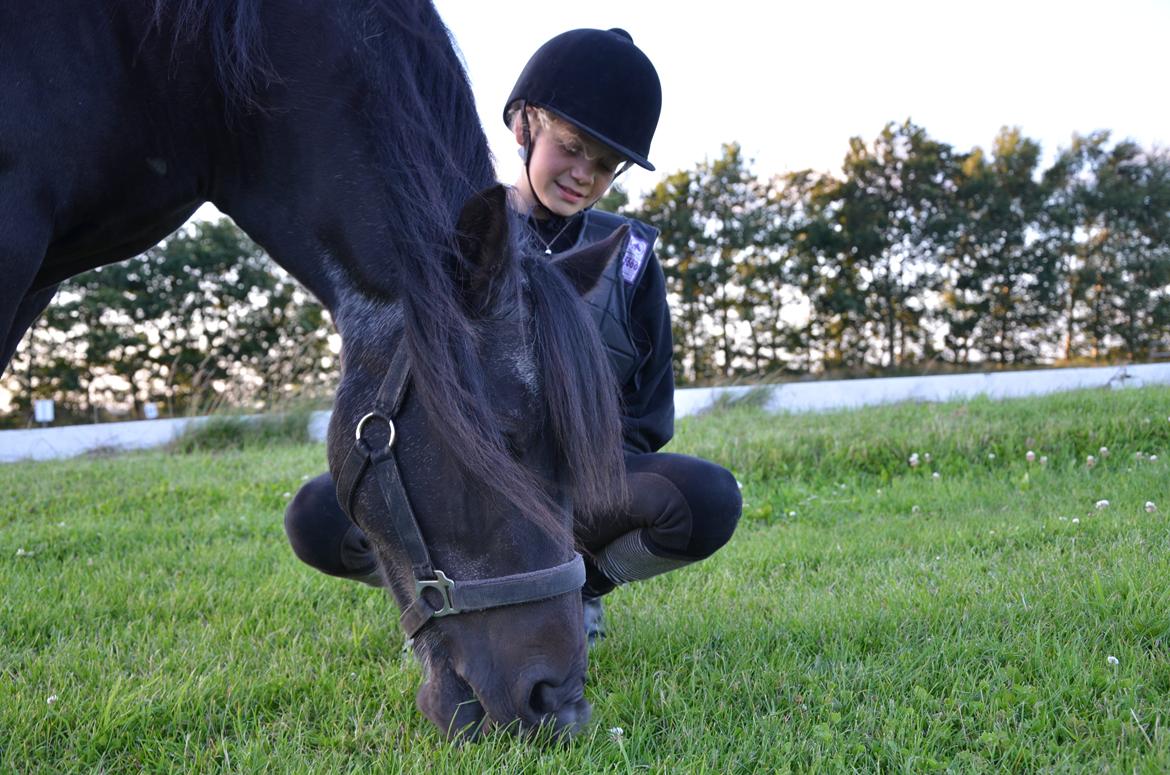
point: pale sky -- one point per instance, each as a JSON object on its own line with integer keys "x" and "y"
{"x": 793, "y": 81}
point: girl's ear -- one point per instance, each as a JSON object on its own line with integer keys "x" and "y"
{"x": 522, "y": 126}
{"x": 584, "y": 266}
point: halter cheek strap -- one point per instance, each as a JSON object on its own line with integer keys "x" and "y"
{"x": 435, "y": 594}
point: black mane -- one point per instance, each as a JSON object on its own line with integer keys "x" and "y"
{"x": 234, "y": 33}
{"x": 422, "y": 118}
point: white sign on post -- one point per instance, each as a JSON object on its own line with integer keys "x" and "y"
{"x": 150, "y": 410}
{"x": 43, "y": 410}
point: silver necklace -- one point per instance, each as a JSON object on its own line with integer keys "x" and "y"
{"x": 549, "y": 243}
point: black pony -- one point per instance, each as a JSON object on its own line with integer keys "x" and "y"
{"x": 342, "y": 137}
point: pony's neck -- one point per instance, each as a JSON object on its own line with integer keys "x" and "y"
{"x": 352, "y": 171}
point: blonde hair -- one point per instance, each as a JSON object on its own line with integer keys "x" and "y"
{"x": 546, "y": 120}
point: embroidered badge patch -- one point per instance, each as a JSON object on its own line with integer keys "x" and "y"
{"x": 634, "y": 257}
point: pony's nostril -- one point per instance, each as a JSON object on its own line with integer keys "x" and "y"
{"x": 559, "y": 708}
{"x": 544, "y": 698}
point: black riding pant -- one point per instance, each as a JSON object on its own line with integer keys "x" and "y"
{"x": 681, "y": 509}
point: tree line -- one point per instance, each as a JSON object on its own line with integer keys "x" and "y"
{"x": 918, "y": 254}
{"x": 915, "y": 255}
{"x": 204, "y": 319}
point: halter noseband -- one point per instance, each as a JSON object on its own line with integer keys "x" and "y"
{"x": 454, "y": 596}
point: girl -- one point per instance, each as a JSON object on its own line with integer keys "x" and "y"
{"x": 583, "y": 110}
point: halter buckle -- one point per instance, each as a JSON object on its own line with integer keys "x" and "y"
{"x": 444, "y": 586}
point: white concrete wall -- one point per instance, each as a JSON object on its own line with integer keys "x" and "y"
{"x": 812, "y": 396}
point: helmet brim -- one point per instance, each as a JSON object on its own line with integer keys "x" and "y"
{"x": 636, "y": 158}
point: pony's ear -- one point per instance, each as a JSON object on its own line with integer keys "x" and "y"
{"x": 584, "y": 266}
{"x": 484, "y": 247}
{"x": 483, "y": 227}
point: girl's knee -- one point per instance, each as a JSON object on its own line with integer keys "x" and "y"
{"x": 715, "y": 508}
{"x": 311, "y": 522}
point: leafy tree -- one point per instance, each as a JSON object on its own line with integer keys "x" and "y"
{"x": 871, "y": 246}
{"x": 1114, "y": 203}
{"x": 1001, "y": 300}
{"x": 1128, "y": 271}
{"x": 202, "y": 318}
{"x": 713, "y": 221}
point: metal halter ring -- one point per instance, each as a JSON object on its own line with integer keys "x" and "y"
{"x": 362, "y": 424}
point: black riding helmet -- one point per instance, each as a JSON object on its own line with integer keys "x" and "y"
{"x": 599, "y": 81}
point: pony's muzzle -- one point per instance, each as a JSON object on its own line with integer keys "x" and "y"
{"x": 561, "y": 710}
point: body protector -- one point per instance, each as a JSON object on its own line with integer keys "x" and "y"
{"x": 609, "y": 302}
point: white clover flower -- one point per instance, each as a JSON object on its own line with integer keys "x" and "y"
{"x": 936, "y": 475}
{"x": 22, "y": 553}
{"x": 1030, "y": 456}
{"x": 913, "y": 460}
{"x": 1102, "y": 504}
{"x": 286, "y": 495}
{"x": 616, "y": 733}
{"x": 51, "y": 699}
{"x": 1103, "y": 452}
{"x": 926, "y": 457}
{"x": 915, "y": 509}
{"x": 991, "y": 456}
{"x": 792, "y": 513}
{"x": 1044, "y": 460}
{"x": 1063, "y": 519}
{"x": 1139, "y": 455}
{"x": 1076, "y": 520}
{"x": 1153, "y": 458}
{"x": 1090, "y": 461}
{"x": 1151, "y": 507}
{"x": 1112, "y": 660}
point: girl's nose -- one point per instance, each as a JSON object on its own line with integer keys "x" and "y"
{"x": 583, "y": 173}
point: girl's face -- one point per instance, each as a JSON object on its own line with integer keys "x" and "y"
{"x": 568, "y": 172}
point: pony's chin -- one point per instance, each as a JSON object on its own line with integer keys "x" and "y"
{"x": 452, "y": 706}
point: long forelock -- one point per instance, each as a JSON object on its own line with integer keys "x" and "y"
{"x": 580, "y": 392}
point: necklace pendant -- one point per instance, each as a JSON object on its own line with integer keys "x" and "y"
{"x": 547, "y": 251}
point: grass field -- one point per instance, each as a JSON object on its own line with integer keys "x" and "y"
{"x": 867, "y": 616}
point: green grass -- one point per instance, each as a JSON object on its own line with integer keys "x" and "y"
{"x": 866, "y": 616}
{"x": 225, "y": 431}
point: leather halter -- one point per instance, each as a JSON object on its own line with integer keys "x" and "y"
{"x": 449, "y": 596}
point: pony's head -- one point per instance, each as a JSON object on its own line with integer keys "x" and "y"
{"x": 498, "y": 502}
